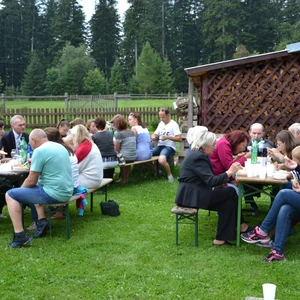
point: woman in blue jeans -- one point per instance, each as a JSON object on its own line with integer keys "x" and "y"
{"x": 286, "y": 206}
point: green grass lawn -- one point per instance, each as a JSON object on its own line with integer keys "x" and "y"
{"x": 20, "y": 104}
{"x": 134, "y": 256}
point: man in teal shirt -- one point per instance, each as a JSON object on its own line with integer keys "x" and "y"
{"x": 49, "y": 181}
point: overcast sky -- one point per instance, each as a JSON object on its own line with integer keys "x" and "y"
{"x": 89, "y": 7}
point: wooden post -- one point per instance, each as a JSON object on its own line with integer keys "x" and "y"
{"x": 3, "y": 101}
{"x": 116, "y": 100}
{"x": 66, "y": 101}
{"x": 190, "y": 105}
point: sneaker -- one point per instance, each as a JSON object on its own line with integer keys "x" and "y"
{"x": 170, "y": 178}
{"x": 2, "y": 216}
{"x": 32, "y": 227}
{"x": 273, "y": 256}
{"x": 268, "y": 244}
{"x": 254, "y": 236}
{"x": 19, "y": 240}
{"x": 42, "y": 227}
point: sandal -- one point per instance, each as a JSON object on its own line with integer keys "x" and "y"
{"x": 248, "y": 229}
{"x": 58, "y": 216}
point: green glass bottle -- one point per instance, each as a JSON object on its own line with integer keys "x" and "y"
{"x": 23, "y": 150}
{"x": 254, "y": 151}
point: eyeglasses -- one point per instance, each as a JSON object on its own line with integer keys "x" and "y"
{"x": 131, "y": 114}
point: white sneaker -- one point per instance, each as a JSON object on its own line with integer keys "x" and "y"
{"x": 2, "y": 216}
{"x": 32, "y": 226}
{"x": 170, "y": 178}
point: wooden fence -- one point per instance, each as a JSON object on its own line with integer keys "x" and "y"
{"x": 41, "y": 118}
{"x": 91, "y": 101}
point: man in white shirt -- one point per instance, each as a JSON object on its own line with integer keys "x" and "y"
{"x": 167, "y": 133}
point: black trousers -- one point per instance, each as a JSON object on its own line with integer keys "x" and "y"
{"x": 225, "y": 201}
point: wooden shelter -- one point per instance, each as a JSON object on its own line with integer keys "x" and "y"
{"x": 236, "y": 93}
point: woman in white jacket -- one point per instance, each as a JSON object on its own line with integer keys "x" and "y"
{"x": 88, "y": 155}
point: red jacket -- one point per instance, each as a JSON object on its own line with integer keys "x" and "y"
{"x": 222, "y": 157}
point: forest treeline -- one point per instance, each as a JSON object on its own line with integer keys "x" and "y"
{"x": 47, "y": 47}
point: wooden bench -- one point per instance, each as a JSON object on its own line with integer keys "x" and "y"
{"x": 65, "y": 205}
{"x": 137, "y": 162}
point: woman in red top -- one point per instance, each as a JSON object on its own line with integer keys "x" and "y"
{"x": 230, "y": 148}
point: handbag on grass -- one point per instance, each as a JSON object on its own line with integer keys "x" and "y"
{"x": 121, "y": 159}
{"x": 110, "y": 208}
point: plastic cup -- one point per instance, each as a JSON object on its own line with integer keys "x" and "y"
{"x": 262, "y": 172}
{"x": 250, "y": 170}
{"x": 269, "y": 291}
{"x": 270, "y": 170}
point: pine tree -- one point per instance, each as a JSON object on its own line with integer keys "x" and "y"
{"x": 105, "y": 29}
{"x": 184, "y": 47}
{"x": 49, "y": 14}
{"x": 69, "y": 25}
{"x": 115, "y": 82}
{"x": 153, "y": 76}
{"x": 94, "y": 83}
{"x": 33, "y": 82}
{"x": 73, "y": 66}
{"x": 11, "y": 50}
{"x": 52, "y": 84}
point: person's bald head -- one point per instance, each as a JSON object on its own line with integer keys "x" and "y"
{"x": 256, "y": 131}
{"x": 37, "y": 137}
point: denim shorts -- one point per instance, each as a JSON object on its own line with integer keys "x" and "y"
{"x": 163, "y": 150}
{"x": 31, "y": 195}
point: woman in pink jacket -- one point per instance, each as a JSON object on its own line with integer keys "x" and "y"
{"x": 230, "y": 148}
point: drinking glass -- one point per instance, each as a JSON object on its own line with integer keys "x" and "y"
{"x": 13, "y": 153}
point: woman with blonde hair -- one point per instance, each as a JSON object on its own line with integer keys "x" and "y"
{"x": 90, "y": 164}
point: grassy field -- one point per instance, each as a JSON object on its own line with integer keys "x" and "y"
{"x": 134, "y": 256}
{"x": 19, "y": 104}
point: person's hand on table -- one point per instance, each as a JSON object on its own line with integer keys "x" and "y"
{"x": 5, "y": 160}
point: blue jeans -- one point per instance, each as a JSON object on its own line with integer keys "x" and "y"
{"x": 163, "y": 150}
{"x": 286, "y": 206}
{"x": 31, "y": 195}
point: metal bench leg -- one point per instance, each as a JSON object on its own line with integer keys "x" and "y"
{"x": 187, "y": 219}
{"x": 177, "y": 229}
{"x": 49, "y": 220}
{"x": 92, "y": 201}
{"x": 196, "y": 230}
{"x": 67, "y": 221}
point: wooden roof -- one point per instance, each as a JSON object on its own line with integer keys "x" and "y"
{"x": 198, "y": 71}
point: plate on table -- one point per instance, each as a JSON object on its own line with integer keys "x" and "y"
{"x": 20, "y": 169}
{"x": 280, "y": 175}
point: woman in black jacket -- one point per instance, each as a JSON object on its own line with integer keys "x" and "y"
{"x": 199, "y": 188}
